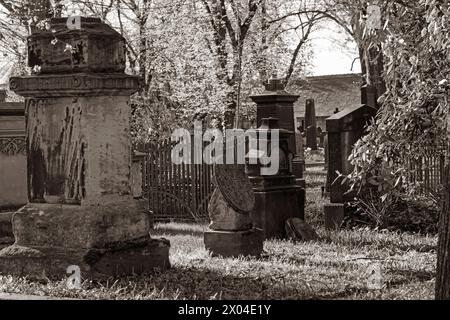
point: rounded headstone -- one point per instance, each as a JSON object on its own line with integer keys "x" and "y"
{"x": 235, "y": 186}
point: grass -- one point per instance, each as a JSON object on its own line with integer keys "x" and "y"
{"x": 333, "y": 268}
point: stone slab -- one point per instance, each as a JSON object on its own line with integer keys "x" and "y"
{"x": 75, "y": 226}
{"x": 224, "y": 217}
{"x": 334, "y": 215}
{"x": 235, "y": 186}
{"x": 132, "y": 257}
{"x": 234, "y": 243}
{"x": 299, "y": 230}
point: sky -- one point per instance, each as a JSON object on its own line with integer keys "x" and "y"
{"x": 332, "y": 54}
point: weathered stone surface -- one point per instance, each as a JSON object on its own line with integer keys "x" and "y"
{"x": 334, "y": 215}
{"x": 13, "y": 165}
{"x": 115, "y": 259}
{"x": 78, "y": 149}
{"x": 234, "y": 244}
{"x": 81, "y": 209}
{"x": 6, "y": 233}
{"x": 299, "y": 230}
{"x": 224, "y": 217}
{"x": 274, "y": 205}
{"x": 6, "y": 224}
{"x": 343, "y": 130}
{"x": 95, "y": 47}
{"x": 234, "y": 186}
{"x": 42, "y": 224}
{"x": 74, "y": 85}
{"x": 136, "y": 174}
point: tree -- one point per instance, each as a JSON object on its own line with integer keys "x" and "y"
{"x": 199, "y": 59}
{"x": 413, "y": 115}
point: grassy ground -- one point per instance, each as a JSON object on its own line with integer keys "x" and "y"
{"x": 333, "y": 268}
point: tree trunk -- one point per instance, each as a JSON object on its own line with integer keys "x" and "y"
{"x": 443, "y": 259}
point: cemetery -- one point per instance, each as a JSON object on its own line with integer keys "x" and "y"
{"x": 337, "y": 190}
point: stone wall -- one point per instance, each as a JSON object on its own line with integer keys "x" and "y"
{"x": 13, "y": 165}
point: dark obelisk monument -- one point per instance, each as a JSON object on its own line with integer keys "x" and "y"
{"x": 80, "y": 207}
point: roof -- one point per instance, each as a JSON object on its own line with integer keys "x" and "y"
{"x": 329, "y": 92}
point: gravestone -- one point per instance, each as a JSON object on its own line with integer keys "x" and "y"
{"x": 276, "y": 102}
{"x": 278, "y": 197}
{"x": 310, "y": 124}
{"x": 344, "y": 129}
{"x": 80, "y": 208}
{"x": 321, "y": 136}
{"x": 231, "y": 232}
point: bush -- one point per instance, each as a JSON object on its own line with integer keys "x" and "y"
{"x": 397, "y": 212}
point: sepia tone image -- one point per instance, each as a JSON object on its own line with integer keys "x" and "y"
{"x": 224, "y": 150}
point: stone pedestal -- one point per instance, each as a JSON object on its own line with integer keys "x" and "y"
{"x": 234, "y": 243}
{"x": 277, "y": 199}
{"x": 81, "y": 209}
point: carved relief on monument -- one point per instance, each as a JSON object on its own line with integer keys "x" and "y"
{"x": 12, "y": 145}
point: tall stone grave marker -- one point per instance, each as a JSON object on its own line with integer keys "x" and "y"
{"x": 344, "y": 129}
{"x": 311, "y": 124}
{"x": 276, "y": 102}
{"x": 80, "y": 207}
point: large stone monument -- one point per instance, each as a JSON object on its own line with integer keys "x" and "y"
{"x": 80, "y": 207}
{"x": 231, "y": 232}
{"x": 278, "y": 197}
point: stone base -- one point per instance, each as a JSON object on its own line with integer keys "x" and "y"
{"x": 234, "y": 243}
{"x": 134, "y": 257}
{"x": 274, "y": 206}
{"x": 334, "y": 215}
{"x": 108, "y": 240}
